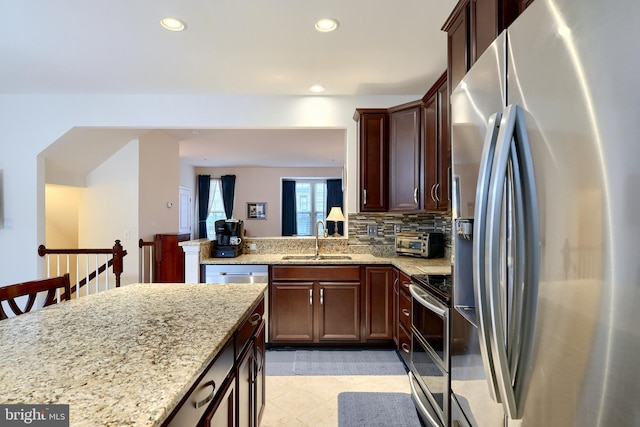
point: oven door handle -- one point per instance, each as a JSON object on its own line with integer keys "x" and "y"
{"x": 419, "y": 295}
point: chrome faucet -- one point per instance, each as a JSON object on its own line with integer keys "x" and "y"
{"x": 324, "y": 227}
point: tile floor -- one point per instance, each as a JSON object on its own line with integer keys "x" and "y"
{"x": 298, "y": 401}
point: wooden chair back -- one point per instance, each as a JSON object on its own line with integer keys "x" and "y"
{"x": 31, "y": 289}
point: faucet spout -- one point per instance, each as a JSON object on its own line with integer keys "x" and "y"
{"x": 324, "y": 228}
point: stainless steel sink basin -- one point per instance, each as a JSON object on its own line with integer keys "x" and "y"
{"x": 316, "y": 258}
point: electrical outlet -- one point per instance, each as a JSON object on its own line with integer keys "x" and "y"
{"x": 372, "y": 230}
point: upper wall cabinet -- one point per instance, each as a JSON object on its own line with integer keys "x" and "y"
{"x": 472, "y": 27}
{"x": 437, "y": 152}
{"x": 406, "y": 157}
{"x": 374, "y": 158}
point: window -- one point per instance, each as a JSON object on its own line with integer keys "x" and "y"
{"x": 311, "y": 200}
{"x": 216, "y": 207}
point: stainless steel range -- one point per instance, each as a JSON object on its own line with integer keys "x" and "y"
{"x": 429, "y": 363}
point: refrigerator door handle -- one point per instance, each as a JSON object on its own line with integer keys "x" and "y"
{"x": 513, "y": 161}
{"x": 479, "y": 254}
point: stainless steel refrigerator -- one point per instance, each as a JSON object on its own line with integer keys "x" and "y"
{"x": 546, "y": 210}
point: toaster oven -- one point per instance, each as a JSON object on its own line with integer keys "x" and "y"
{"x": 419, "y": 244}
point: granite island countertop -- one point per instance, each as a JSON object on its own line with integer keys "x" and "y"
{"x": 123, "y": 357}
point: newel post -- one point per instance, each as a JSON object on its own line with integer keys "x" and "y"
{"x": 118, "y": 254}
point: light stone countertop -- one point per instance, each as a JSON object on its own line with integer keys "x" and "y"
{"x": 408, "y": 265}
{"x": 123, "y": 357}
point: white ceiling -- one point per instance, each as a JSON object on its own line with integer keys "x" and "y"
{"x": 255, "y": 47}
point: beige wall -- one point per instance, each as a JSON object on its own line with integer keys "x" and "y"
{"x": 262, "y": 184}
{"x": 159, "y": 177}
{"x": 108, "y": 209}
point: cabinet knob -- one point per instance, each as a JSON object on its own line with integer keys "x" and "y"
{"x": 406, "y": 312}
{"x": 406, "y": 348}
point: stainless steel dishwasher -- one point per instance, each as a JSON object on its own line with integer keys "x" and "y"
{"x": 240, "y": 273}
{"x": 236, "y": 273}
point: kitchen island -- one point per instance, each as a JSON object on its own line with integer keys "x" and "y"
{"x": 126, "y": 356}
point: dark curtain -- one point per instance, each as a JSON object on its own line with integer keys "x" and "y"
{"x": 204, "y": 183}
{"x": 228, "y": 193}
{"x": 289, "y": 213}
{"x": 334, "y": 198}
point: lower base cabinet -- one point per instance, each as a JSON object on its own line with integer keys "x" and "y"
{"x": 231, "y": 392}
{"x": 314, "y": 304}
{"x": 251, "y": 382}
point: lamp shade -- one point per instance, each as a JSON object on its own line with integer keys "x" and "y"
{"x": 335, "y": 214}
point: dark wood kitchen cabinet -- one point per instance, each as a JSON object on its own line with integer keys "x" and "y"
{"x": 437, "y": 156}
{"x": 378, "y": 312}
{"x": 314, "y": 304}
{"x": 404, "y": 317}
{"x": 373, "y": 142}
{"x": 251, "y": 381}
{"x": 472, "y": 26}
{"x": 405, "y": 157}
{"x": 169, "y": 258}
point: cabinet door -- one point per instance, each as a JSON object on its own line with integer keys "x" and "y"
{"x": 458, "y": 45}
{"x": 246, "y": 386}
{"x": 291, "y": 312}
{"x": 260, "y": 381}
{"x": 223, "y": 411}
{"x": 488, "y": 19}
{"x": 374, "y": 153}
{"x": 379, "y": 303}
{"x": 431, "y": 172}
{"x": 443, "y": 187}
{"x": 405, "y": 160}
{"x": 396, "y": 290}
{"x": 437, "y": 146}
{"x": 338, "y": 311}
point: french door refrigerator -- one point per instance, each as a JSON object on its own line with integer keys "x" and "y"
{"x": 546, "y": 210}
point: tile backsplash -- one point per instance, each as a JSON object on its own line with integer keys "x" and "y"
{"x": 385, "y": 225}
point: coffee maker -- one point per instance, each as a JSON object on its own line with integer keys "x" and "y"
{"x": 229, "y": 234}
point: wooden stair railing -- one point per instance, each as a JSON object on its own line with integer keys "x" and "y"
{"x": 146, "y": 261}
{"x": 90, "y": 274}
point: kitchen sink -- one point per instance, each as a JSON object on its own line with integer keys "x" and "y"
{"x": 316, "y": 258}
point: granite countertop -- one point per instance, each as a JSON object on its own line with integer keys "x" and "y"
{"x": 408, "y": 265}
{"x": 123, "y": 357}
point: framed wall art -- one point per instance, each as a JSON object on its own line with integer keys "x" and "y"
{"x": 256, "y": 210}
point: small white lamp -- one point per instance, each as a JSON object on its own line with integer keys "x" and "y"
{"x": 335, "y": 215}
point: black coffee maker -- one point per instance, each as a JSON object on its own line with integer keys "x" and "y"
{"x": 229, "y": 235}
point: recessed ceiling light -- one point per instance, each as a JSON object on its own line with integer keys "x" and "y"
{"x": 326, "y": 25}
{"x": 317, "y": 88}
{"x": 172, "y": 24}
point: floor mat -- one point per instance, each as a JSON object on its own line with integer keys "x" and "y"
{"x": 334, "y": 362}
{"x": 357, "y": 409}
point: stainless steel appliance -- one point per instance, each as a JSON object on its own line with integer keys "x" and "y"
{"x": 420, "y": 244}
{"x": 240, "y": 273}
{"x": 429, "y": 359}
{"x": 545, "y": 207}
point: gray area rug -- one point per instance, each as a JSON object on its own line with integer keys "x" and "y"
{"x": 376, "y": 410}
{"x": 333, "y": 362}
